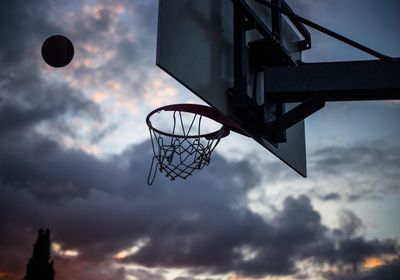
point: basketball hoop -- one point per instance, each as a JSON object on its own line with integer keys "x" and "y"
{"x": 186, "y": 147}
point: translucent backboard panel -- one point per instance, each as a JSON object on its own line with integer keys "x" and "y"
{"x": 195, "y": 46}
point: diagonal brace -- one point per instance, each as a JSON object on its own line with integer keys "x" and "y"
{"x": 298, "y": 113}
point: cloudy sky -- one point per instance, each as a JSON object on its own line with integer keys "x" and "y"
{"x": 75, "y": 152}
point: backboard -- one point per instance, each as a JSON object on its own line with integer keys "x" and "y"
{"x": 195, "y": 46}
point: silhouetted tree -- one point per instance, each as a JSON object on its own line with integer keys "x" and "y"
{"x": 39, "y": 266}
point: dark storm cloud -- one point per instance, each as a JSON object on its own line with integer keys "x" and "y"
{"x": 331, "y": 196}
{"x": 389, "y": 271}
{"x": 20, "y": 23}
{"x": 350, "y": 224}
{"x": 354, "y": 172}
{"x": 190, "y": 278}
{"x": 49, "y": 172}
{"x": 27, "y": 103}
{"x": 144, "y": 274}
{"x": 31, "y": 176}
{"x": 244, "y": 243}
{"x": 373, "y": 165}
{"x": 351, "y": 249}
{"x": 200, "y": 224}
{"x": 355, "y": 251}
{"x": 86, "y": 270}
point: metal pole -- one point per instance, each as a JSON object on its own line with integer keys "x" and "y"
{"x": 334, "y": 81}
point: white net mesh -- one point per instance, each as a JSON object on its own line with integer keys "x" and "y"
{"x": 179, "y": 154}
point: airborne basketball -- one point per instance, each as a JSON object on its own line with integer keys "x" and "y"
{"x": 57, "y": 51}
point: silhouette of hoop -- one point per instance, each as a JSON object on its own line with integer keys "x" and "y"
{"x": 186, "y": 149}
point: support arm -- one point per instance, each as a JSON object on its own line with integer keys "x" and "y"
{"x": 334, "y": 81}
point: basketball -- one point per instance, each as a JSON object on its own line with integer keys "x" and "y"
{"x": 57, "y": 51}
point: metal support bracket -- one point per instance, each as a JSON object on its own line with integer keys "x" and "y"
{"x": 334, "y": 81}
{"x": 312, "y": 84}
{"x": 298, "y": 113}
{"x": 256, "y": 55}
